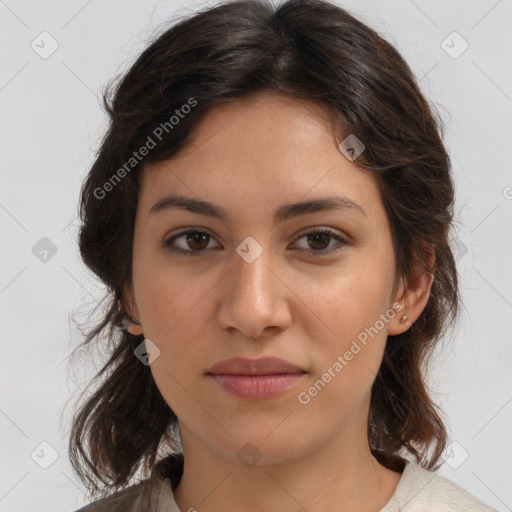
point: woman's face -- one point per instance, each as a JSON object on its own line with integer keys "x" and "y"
{"x": 255, "y": 285}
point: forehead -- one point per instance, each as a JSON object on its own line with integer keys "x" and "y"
{"x": 258, "y": 152}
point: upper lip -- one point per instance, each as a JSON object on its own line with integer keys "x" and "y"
{"x": 262, "y": 366}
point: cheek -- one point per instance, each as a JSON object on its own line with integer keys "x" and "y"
{"x": 179, "y": 334}
{"x": 352, "y": 318}
{"x": 346, "y": 360}
{"x": 349, "y": 299}
{"x": 169, "y": 297}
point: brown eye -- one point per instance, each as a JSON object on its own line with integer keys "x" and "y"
{"x": 320, "y": 240}
{"x": 194, "y": 242}
{"x": 197, "y": 240}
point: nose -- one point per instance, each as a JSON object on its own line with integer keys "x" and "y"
{"x": 255, "y": 297}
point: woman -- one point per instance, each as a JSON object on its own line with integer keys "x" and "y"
{"x": 270, "y": 210}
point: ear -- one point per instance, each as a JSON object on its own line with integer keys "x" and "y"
{"x": 412, "y": 296}
{"x": 131, "y": 308}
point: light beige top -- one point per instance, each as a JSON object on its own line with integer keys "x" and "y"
{"x": 418, "y": 490}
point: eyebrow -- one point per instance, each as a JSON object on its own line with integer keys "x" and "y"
{"x": 284, "y": 212}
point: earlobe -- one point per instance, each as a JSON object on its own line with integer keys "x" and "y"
{"x": 135, "y": 328}
{"x": 399, "y": 324}
{"x": 401, "y": 321}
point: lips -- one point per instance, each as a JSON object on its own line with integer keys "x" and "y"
{"x": 256, "y": 379}
{"x": 262, "y": 366}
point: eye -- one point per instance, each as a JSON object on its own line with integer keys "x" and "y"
{"x": 198, "y": 240}
{"x": 321, "y": 239}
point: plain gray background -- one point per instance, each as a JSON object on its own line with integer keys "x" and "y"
{"x": 51, "y": 122}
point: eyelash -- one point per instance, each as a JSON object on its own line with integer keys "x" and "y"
{"x": 327, "y": 231}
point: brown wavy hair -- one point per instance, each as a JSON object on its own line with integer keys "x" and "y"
{"x": 314, "y": 51}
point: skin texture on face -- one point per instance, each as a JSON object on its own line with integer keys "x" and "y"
{"x": 298, "y": 300}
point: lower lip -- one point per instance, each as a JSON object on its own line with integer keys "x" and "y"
{"x": 255, "y": 387}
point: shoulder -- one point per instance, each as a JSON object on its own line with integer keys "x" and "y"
{"x": 155, "y": 494}
{"x": 141, "y": 496}
{"x": 422, "y": 490}
{"x": 124, "y": 500}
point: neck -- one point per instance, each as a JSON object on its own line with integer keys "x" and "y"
{"x": 341, "y": 476}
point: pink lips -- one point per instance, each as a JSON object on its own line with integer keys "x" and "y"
{"x": 256, "y": 378}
